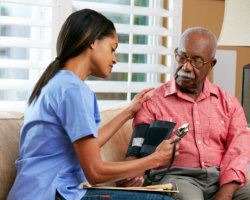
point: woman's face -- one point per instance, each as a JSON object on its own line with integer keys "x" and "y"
{"x": 103, "y": 56}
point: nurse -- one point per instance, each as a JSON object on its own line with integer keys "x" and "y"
{"x": 60, "y": 139}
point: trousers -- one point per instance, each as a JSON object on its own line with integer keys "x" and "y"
{"x": 96, "y": 194}
{"x": 199, "y": 184}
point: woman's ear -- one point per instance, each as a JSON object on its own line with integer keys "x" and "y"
{"x": 91, "y": 46}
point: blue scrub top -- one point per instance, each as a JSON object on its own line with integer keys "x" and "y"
{"x": 65, "y": 111}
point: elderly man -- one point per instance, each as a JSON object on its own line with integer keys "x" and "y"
{"x": 214, "y": 155}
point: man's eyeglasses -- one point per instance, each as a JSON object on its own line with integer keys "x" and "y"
{"x": 195, "y": 62}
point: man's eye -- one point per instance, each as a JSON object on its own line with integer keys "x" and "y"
{"x": 197, "y": 63}
{"x": 182, "y": 59}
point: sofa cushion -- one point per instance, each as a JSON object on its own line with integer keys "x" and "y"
{"x": 116, "y": 148}
{"x": 10, "y": 124}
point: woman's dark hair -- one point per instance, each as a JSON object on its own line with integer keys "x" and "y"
{"x": 78, "y": 32}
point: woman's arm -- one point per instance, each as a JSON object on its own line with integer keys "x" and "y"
{"x": 109, "y": 129}
{"x": 97, "y": 171}
{"x": 135, "y": 181}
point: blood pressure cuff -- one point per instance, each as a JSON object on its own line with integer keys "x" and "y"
{"x": 157, "y": 132}
{"x": 137, "y": 140}
{"x": 146, "y": 138}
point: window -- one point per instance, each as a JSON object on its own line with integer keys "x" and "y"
{"x": 147, "y": 29}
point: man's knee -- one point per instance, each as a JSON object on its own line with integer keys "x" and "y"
{"x": 188, "y": 191}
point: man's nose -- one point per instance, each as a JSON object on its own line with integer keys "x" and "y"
{"x": 187, "y": 66}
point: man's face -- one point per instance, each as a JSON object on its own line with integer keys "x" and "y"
{"x": 194, "y": 63}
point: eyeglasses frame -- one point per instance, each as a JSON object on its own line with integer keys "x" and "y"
{"x": 190, "y": 59}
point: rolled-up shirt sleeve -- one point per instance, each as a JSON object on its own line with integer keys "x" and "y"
{"x": 234, "y": 164}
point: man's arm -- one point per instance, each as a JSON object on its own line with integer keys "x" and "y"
{"x": 234, "y": 164}
{"x": 227, "y": 191}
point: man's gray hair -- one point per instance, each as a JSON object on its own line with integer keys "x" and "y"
{"x": 200, "y": 31}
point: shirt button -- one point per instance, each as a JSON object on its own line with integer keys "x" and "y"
{"x": 170, "y": 120}
{"x": 222, "y": 121}
{"x": 195, "y": 104}
{"x": 197, "y": 122}
{"x": 199, "y": 142}
{"x": 202, "y": 163}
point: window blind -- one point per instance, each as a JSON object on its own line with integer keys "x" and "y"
{"x": 28, "y": 31}
{"x": 148, "y": 31}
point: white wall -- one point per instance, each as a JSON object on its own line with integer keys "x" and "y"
{"x": 225, "y": 70}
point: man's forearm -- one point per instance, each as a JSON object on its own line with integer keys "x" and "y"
{"x": 227, "y": 191}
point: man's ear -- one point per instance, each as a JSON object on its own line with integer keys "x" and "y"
{"x": 213, "y": 63}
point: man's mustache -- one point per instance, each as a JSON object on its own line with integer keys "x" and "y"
{"x": 185, "y": 74}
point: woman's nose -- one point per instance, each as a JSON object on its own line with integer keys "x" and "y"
{"x": 114, "y": 59}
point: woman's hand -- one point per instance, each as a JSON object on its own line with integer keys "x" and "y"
{"x": 165, "y": 151}
{"x": 109, "y": 129}
{"x": 137, "y": 101}
{"x": 136, "y": 181}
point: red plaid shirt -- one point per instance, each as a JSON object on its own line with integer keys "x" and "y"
{"x": 217, "y": 128}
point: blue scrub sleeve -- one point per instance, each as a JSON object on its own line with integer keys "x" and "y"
{"x": 77, "y": 114}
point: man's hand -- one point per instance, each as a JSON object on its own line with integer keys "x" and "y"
{"x": 226, "y": 192}
{"x": 136, "y": 181}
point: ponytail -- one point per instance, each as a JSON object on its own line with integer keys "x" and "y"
{"x": 50, "y": 71}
